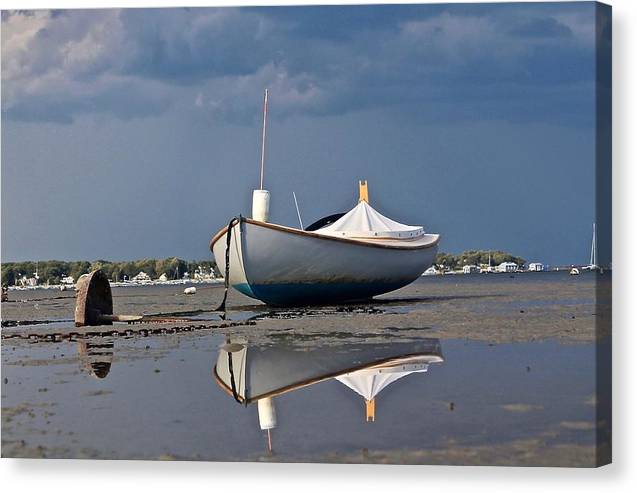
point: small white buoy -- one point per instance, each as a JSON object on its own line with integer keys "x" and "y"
{"x": 190, "y": 290}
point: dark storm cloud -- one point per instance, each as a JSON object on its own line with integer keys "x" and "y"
{"x": 477, "y": 121}
{"x": 188, "y": 45}
{"x": 316, "y": 60}
{"x": 541, "y": 28}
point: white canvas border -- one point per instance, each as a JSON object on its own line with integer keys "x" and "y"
{"x": 160, "y": 477}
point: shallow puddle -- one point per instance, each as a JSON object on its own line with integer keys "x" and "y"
{"x": 165, "y": 396}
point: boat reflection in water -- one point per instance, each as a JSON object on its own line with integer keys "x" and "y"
{"x": 257, "y": 373}
{"x": 96, "y": 355}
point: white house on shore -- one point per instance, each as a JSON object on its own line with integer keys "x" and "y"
{"x": 141, "y": 277}
{"x": 507, "y": 267}
{"x": 470, "y": 269}
{"x": 536, "y": 267}
{"x": 68, "y": 281}
{"x": 25, "y": 281}
{"x": 202, "y": 275}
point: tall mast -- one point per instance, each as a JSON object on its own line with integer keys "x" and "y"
{"x": 265, "y": 117}
{"x": 594, "y": 247}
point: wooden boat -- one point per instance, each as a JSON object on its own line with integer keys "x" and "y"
{"x": 356, "y": 256}
{"x": 280, "y": 265}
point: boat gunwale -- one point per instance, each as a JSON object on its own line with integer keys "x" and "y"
{"x": 311, "y": 381}
{"x": 312, "y": 234}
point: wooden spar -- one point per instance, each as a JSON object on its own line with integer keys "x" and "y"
{"x": 370, "y": 410}
{"x": 265, "y": 116}
{"x": 363, "y": 195}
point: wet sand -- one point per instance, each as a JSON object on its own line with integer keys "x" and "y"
{"x": 493, "y": 308}
{"x": 519, "y": 370}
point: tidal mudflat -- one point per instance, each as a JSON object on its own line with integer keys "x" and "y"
{"x": 518, "y": 377}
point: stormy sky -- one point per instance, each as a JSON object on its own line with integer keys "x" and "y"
{"x": 136, "y": 133}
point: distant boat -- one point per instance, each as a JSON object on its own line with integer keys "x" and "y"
{"x": 357, "y": 256}
{"x": 574, "y": 271}
{"x": 593, "y": 260}
{"x": 432, "y": 271}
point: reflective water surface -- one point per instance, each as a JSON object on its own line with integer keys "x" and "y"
{"x": 323, "y": 399}
{"x": 462, "y": 379}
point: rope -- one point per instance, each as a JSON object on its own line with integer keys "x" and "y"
{"x": 226, "y": 277}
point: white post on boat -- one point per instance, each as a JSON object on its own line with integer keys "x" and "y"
{"x": 298, "y": 212}
{"x": 261, "y": 205}
{"x": 261, "y": 197}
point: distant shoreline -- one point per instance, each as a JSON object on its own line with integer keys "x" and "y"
{"x": 29, "y": 274}
{"x": 174, "y": 270}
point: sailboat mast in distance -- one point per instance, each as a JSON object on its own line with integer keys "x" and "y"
{"x": 593, "y": 262}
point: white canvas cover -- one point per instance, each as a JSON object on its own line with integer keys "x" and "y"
{"x": 363, "y": 221}
{"x": 368, "y": 383}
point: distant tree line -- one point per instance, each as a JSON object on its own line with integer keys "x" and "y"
{"x": 475, "y": 257}
{"x": 53, "y": 271}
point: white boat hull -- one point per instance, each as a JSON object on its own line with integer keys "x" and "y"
{"x": 286, "y": 266}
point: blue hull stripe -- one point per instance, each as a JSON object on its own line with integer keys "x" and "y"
{"x": 244, "y": 288}
{"x": 317, "y": 293}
